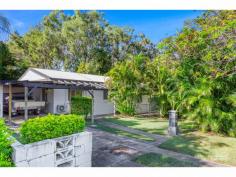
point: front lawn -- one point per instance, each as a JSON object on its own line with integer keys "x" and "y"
{"x": 152, "y": 125}
{"x": 159, "y": 160}
{"x": 201, "y": 145}
{"x": 123, "y": 133}
{"x": 204, "y": 146}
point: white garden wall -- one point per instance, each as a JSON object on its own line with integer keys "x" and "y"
{"x": 69, "y": 151}
{"x": 1, "y": 100}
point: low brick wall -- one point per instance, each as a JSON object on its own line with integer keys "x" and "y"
{"x": 68, "y": 151}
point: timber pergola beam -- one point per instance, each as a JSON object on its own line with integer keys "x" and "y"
{"x": 91, "y": 92}
{"x": 65, "y": 85}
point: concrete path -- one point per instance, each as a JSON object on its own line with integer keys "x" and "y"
{"x": 110, "y": 150}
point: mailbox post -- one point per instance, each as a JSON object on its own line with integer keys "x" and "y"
{"x": 173, "y": 123}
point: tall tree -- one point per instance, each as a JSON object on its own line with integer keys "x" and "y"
{"x": 206, "y": 52}
{"x": 10, "y": 68}
{"x": 4, "y": 24}
{"x": 83, "y": 42}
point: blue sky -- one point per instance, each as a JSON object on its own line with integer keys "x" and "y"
{"x": 156, "y": 25}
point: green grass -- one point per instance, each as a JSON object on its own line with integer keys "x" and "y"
{"x": 150, "y": 125}
{"x": 159, "y": 160}
{"x": 123, "y": 133}
{"x": 204, "y": 146}
{"x": 201, "y": 145}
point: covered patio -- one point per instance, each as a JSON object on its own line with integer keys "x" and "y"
{"x": 33, "y": 80}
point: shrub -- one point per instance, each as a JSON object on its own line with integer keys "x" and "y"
{"x": 51, "y": 126}
{"x": 81, "y": 105}
{"x": 5, "y": 145}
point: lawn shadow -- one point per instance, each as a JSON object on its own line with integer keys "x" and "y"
{"x": 158, "y": 131}
{"x": 187, "y": 127}
{"x": 188, "y": 144}
{"x": 127, "y": 122}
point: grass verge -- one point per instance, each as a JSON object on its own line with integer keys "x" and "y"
{"x": 159, "y": 160}
{"x": 204, "y": 146}
{"x": 124, "y": 133}
{"x": 150, "y": 125}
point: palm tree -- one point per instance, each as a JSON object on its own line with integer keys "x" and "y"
{"x": 4, "y": 25}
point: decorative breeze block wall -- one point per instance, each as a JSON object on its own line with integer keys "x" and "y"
{"x": 68, "y": 151}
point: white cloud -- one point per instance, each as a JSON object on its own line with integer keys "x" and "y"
{"x": 18, "y": 24}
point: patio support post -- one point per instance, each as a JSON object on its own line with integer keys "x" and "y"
{"x": 91, "y": 92}
{"x": 10, "y": 103}
{"x": 26, "y": 103}
{"x": 92, "y": 116}
{"x": 69, "y": 101}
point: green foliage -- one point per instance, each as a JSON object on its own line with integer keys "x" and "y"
{"x": 4, "y": 25}
{"x": 50, "y": 126}
{"x": 194, "y": 74}
{"x": 127, "y": 83}
{"x": 81, "y": 105}
{"x": 5, "y": 145}
{"x": 205, "y": 75}
{"x": 84, "y": 41}
{"x": 10, "y": 68}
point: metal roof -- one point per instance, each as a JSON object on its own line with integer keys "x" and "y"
{"x": 54, "y": 74}
{"x": 70, "y": 79}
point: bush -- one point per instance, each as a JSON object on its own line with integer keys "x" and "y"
{"x": 81, "y": 105}
{"x": 5, "y": 145}
{"x": 51, "y": 126}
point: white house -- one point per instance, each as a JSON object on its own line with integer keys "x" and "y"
{"x": 55, "y": 88}
{"x": 57, "y": 97}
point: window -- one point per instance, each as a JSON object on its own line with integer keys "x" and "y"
{"x": 105, "y": 94}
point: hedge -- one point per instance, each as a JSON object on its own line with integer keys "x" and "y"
{"x": 5, "y": 145}
{"x": 50, "y": 126}
{"x": 81, "y": 105}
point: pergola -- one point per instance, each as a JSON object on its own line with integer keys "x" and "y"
{"x": 57, "y": 83}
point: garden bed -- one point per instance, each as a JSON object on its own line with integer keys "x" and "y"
{"x": 53, "y": 141}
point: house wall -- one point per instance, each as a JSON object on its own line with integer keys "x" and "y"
{"x": 1, "y": 100}
{"x": 57, "y": 97}
{"x": 101, "y": 106}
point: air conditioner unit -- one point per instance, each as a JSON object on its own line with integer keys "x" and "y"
{"x": 61, "y": 109}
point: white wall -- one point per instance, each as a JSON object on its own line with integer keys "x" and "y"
{"x": 1, "y": 101}
{"x": 57, "y": 97}
{"x": 101, "y": 106}
{"x": 69, "y": 151}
